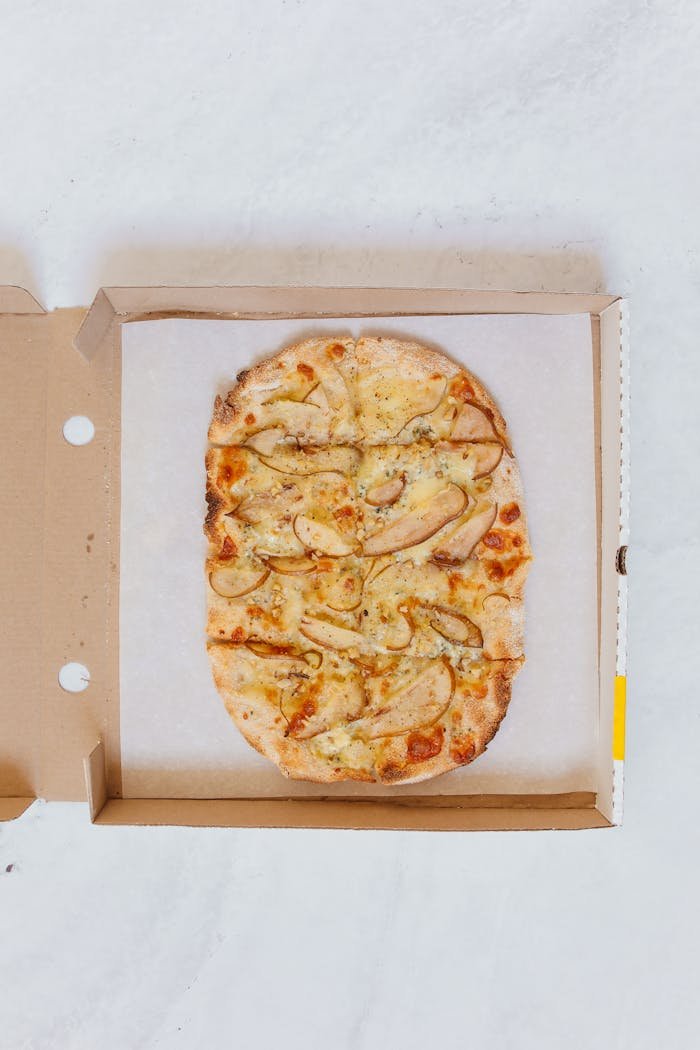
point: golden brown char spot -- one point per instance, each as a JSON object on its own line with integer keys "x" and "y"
{"x": 228, "y": 549}
{"x": 214, "y": 505}
{"x": 509, "y": 513}
{"x": 462, "y": 749}
{"x": 336, "y": 351}
{"x": 232, "y": 467}
{"x": 306, "y": 370}
{"x": 461, "y": 388}
{"x": 422, "y": 746}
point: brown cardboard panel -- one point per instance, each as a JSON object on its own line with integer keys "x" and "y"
{"x": 14, "y": 300}
{"x": 66, "y": 587}
{"x": 95, "y": 779}
{"x": 24, "y": 353}
{"x": 611, "y": 465}
{"x": 11, "y": 808}
{"x": 81, "y": 562}
{"x": 117, "y": 305}
{"x": 306, "y": 813}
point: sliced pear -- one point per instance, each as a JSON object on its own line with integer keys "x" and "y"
{"x": 235, "y": 582}
{"x": 486, "y": 458}
{"x": 401, "y": 633}
{"x": 341, "y": 459}
{"x": 300, "y": 566}
{"x": 296, "y": 417}
{"x": 419, "y": 704}
{"x": 387, "y": 493}
{"x": 472, "y": 424}
{"x": 261, "y": 506}
{"x": 317, "y": 397}
{"x": 455, "y": 627}
{"x": 338, "y": 595}
{"x": 316, "y": 536}
{"x": 418, "y": 525}
{"x": 329, "y": 634}
{"x": 459, "y": 546}
{"x": 339, "y": 708}
{"x": 335, "y": 388}
{"x": 265, "y": 440}
{"x": 494, "y": 595}
{"x": 271, "y": 652}
{"x": 428, "y": 395}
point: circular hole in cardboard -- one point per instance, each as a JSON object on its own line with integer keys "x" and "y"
{"x": 74, "y": 677}
{"x": 78, "y": 430}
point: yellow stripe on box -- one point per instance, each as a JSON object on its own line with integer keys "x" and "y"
{"x": 620, "y": 700}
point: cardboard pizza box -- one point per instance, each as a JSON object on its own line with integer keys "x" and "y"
{"x": 60, "y": 558}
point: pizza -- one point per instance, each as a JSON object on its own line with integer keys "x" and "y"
{"x": 368, "y": 552}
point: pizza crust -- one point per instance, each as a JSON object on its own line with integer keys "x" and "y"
{"x": 368, "y": 555}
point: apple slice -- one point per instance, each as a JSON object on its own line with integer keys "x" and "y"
{"x": 265, "y": 440}
{"x": 300, "y": 566}
{"x": 419, "y": 704}
{"x": 418, "y": 525}
{"x": 472, "y": 424}
{"x": 459, "y": 546}
{"x": 387, "y": 493}
{"x": 455, "y": 627}
{"x": 234, "y": 583}
{"x": 316, "y": 536}
{"x": 329, "y": 634}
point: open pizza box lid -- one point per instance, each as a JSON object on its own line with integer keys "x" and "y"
{"x": 61, "y": 568}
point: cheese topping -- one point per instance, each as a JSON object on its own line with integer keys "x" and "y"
{"x": 368, "y": 549}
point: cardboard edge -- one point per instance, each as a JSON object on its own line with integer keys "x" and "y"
{"x": 326, "y": 814}
{"x": 11, "y": 808}
{"x": 97, "y": 328}
{"x": 111, "y": 308}
{"x": 16, "y": 300}
{"x": 614, "y": 326}
{"x": 118, "y": 305}
{"x": 95, "y": 771}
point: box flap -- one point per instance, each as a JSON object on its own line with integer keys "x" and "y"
{"x": 24, "y": 349}
{"x": 113, "y": 306}
{"x": 60, "y": 559}
{"x": 14, "y": 300}
{"x": 57, "y": 556}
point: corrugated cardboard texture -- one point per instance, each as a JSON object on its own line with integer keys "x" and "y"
{"x": 60, "y": 558}
{"x": 113, "y": 306}
{"x": 58, "y": 564}
{"x": 81, "y": 562}
{"x": 24, "y": 355}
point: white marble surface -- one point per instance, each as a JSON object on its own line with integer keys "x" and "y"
{"x": 541, "y": 145}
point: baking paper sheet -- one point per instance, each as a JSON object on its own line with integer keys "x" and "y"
{"x": 176, "y": 737}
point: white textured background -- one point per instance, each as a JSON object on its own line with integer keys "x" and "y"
{"x": 506, "y": 144}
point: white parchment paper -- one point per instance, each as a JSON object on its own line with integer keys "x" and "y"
{"x": 176, "y": 738}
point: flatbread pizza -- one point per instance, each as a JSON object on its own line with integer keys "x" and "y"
{"x": 368, "y": 551}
